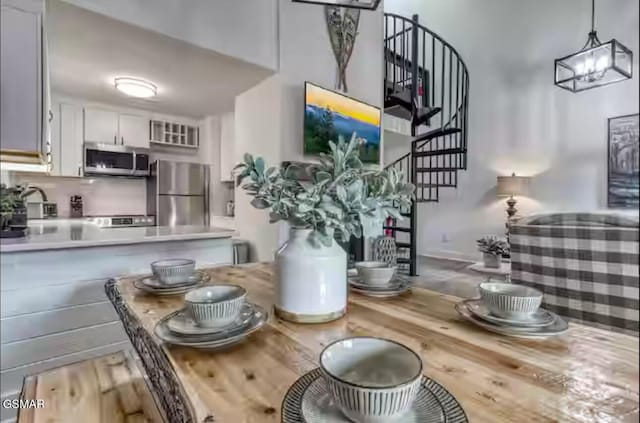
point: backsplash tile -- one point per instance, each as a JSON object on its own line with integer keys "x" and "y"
{"x": 100, "y": 196}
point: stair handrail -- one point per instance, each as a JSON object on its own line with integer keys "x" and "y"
{"x": 432, "y": 33}
{"x": 464, "y": 98}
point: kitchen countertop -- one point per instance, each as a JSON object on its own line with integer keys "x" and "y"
{"x": 76, "y": 233}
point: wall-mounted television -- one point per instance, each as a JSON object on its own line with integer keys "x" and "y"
{"x": 329, "y": 114}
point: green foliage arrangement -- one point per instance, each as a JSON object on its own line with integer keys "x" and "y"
{"x": 9, "y": 199}
{"x": 342, "y": 199}
{"x": 493, "y": 245}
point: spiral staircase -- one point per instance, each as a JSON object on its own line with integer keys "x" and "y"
{"x": 426, "y": 83}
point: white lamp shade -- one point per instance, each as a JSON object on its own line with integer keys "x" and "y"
{"x": 513, "y": 185}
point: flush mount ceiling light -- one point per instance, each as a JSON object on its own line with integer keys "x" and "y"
{"x": 358, "y": 4}
{"x": 595, "y": 65}
{"x": 135, "y": 87}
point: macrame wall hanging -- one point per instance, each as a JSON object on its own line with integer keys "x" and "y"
{"x": 342, "y": 25}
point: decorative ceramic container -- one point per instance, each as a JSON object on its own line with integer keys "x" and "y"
{"x": 215, "y": 306}
{"x": 510, "y": 301}
{"x": 173, "y": 271}
{"x": 311, "y": 280}
{"x": 371, "y": 380}
{"x": 375, "y": 273}
{"x": 491, "y": 261}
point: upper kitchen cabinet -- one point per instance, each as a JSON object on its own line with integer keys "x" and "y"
{"x": 227, "y": 141}
{"x": 23, "y": 122}
{"x": 111, "y": 127}
{"x": 101, "y": 126}
{"x": 66, "y": 140}
{"x": 133, "y": 130}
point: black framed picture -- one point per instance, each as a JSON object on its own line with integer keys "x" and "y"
{"x": 623, "y": 182}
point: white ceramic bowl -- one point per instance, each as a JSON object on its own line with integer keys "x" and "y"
{"x": 510, "y": 301}
{"x": 376, "y": 273}
{"x": 215, "y": 306}
{"x": 173, "y": 271}
{"x": 371, "y": 380}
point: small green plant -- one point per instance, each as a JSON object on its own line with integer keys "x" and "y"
{"x": 342, "y": 199}
{"x": 9, "y": 199}
{"x": 493, "y": 245}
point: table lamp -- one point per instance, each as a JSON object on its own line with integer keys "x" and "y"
{"x": 512, "y": 186}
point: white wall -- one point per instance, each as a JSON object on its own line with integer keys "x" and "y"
{"x": 258, "y": 130}
{"x": 519, "y": 121}
{"x": 270, "y": 116}
{"x": 244, "y": 29}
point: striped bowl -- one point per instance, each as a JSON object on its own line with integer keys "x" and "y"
{"x": 215, "y": 306}
{"x": 510, "y": 301}
{"x": 371, "y": 380}
{"x": 173, "y": 271}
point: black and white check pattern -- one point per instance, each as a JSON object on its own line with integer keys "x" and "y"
{"x": 585, "y": 264}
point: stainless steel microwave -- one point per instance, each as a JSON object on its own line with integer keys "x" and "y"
{"x": 116, "y": 160}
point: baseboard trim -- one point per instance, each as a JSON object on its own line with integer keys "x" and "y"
{"x": 449, "y": 256}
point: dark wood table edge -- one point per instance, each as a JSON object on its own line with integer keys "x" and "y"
{"x": 168, "y": 391}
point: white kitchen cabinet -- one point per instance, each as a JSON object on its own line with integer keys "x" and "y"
{"x": 227, "y": 142}
{"x": 70, "y": 143}
{"x": 23, "y": 96}
{"x": 134, "y": 130}
{"x": 101, "y": 125}
{"x": 111, "y": 127}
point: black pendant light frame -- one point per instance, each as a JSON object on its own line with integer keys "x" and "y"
{"x": 593, "y": 43}
{"x": 355, "y": 4}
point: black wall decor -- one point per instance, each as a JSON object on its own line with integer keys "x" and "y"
{"x": 623, "y": 176}
{"x": 355, "y": 4}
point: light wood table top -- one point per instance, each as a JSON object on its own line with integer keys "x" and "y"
{"x": 586, "y": 375}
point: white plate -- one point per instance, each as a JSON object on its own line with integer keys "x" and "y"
{"x": 182, "y": 324}
{"x": 309, "y": 401}
{"x": 381, "y": 294}
{"x": 538, "y": 319}
{"x": 558, "y": 327}
{"x": 396, "y": 283}
{"x": 153, "y": 282}
{"x": 211, "y": 341}
{"x": 138, "y": 283}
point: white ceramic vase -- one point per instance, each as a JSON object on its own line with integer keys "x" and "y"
{"x": 311, "y": 281}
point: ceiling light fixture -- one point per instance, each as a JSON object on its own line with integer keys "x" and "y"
{"x": 596, "y": 64}
{"x": 135, "y": 87}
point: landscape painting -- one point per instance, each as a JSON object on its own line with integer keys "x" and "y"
{"x": 329, "y": 115}
{"x": 623, "y": 190}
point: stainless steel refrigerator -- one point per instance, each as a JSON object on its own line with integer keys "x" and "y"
{"x": 178, "y": 193}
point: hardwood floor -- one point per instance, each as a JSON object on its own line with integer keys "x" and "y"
{"x": 449, "y": 277}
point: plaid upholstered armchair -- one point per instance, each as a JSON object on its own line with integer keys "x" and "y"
{"x": 585, "y": 264}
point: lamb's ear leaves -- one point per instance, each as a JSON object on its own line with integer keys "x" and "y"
{"x": 259, "y": 165}
{"x": 248, "y": 159}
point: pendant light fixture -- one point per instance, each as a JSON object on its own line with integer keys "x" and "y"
{"x": 595, "y": 65}
{"x": 358, "y": 4}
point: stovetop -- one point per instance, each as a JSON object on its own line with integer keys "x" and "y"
{"x": 122, "y": 221}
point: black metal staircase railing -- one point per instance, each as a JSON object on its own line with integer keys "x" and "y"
{"x": 426, "y": 82}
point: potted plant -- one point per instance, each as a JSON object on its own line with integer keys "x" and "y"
{"x": 9, "y": 200}
{"x": 341, "y": 199}
{"x": 493, "y": 249}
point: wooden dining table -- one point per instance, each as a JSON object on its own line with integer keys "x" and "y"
{"x": 585, "y": 375}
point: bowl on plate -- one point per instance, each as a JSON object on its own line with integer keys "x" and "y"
{"x": 371, "y": 380}
{"x": 173, "y": 271}
{"x": 215, "y": 306}
{"x": 375, "y": 273}
{"x": 510, "y": 301}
